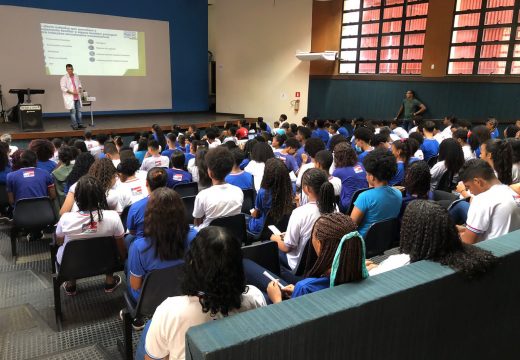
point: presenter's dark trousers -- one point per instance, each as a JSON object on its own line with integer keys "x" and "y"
{"x": 75, "y": 114}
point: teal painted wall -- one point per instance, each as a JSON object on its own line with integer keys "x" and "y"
{"x": 330, "y": 98}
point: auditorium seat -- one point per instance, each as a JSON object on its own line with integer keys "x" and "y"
{"x": 236, "y": 224}
{"x": 264, "y": 254}
{"x": 353, "y": 200}
{"x": 249, "y": 200}
{"x": 382, "y": 236}
{"x": 187, "y": 189}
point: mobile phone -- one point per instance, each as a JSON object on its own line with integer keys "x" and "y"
{"x": 270, "y": 277}
{"x": 274, "y": 230}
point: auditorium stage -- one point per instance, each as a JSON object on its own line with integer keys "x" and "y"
{"x": 117, "y": 124}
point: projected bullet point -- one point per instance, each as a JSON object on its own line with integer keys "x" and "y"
{"x": 90, "y": 41}
{"x": 92, "y": 53}
{"x": 91, "y": 47}
{"x": 92, "y": 59}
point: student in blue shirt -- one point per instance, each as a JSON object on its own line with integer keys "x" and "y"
{"x": 402, "y": 152}
{"x": 340, "y": 252}
{"x": 342, "y": 127}
{"x": 382, "y": 202}
{"x": 321, "y": 132}
{"x": 287, "y": 154}
{"x": 267, "y": 127}
{"x": 237, "y": 177}
{"x": 430, "y": 146}
{"x": 351, "y": 173}
{"x": 155, "y": 179}
{"x": 167, "y": 236}
{"x": 479, "y": 135}
{"x": 171, "y": 140}
{"x": 302, "y": 134}
{"x": 177, "y": 174}
{"x": 142, "y": 149}
{"x": 275, "y": 181}
{"x": 363, "y": 136}
{"x": 492, "y": 126}
{"x": 44, "y": 152}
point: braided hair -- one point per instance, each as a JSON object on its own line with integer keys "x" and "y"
{"x": 439, "y": 241}
{"x": 318, "y": 183}
{"x": 105, "y": 171}
{"x": 90, "y": 196}
{"x": 502, "y": 156}
{"x": 328, "y": 230}
{"x": 276, "y": 179}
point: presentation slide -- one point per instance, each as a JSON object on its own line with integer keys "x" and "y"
{"x": 101, "y": 52}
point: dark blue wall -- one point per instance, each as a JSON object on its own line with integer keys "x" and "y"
{"x": 188, "y": 38}
{"x": 331, "y": 98}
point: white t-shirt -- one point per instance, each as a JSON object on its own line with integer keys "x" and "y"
{"x": 299, "y": 231}
{"x": 76, "y": 225}
{"x": 412, "y": 130}
{"x": 399, "y": 131}
{"x": 393, "y": 262}
{"x": 436, "y": 172}
{"x": 214, "y": 144}
{"x": 302, "y": 170}
{"x": 439, "y": 137}
{"x": 516, "y": 173}
{"x": 91, "y": 144}
{"x": 193, "y": 170}
{"x": 257, "y": 170}
{"x": 217, "y": 201}
{"x": 468, "y": 153}
{"x": 447, "y": 133}
{"x": 136, "y": 187}
{"x": 117, "y": 198}
{"x": 155, "y": 161}
{"x": 419, "y": 154}
{"x": 166, "y": 335}
{"x": 230, "y": 138}
{"x": 494, "y": 213}
{"x": 336, "y": 183}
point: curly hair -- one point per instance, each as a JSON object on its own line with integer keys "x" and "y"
{"x": 81, "y": 166}
{"x": 439, "y": 241}
{"x": 502, "y": 156}
{"x": 451, "y": 153}
{"x": 105, "y": 171}
{"x": 313, "y": 145}
{"x": 344, "y": 155}
{"x": 214, "y": 271}
{"x": 66, "y": 154}
{"x": 165, "y": 224}
{"x": 80, "y": 146}
{"x": 276, "y": 179}
{"x": 364, "y": 134}
{"x": 318, "y": 183}
{"x": 43, "y": 148}
{"x": 335, "y": 140}
{"x": 417, "y": 179}
{"x": 381, "y": 164}
{"x": 328, "y": 231}
{"x": 220, "y": 162}
{"x": 128, "y": 167}
{"x": 90, "y": 196}
{"x": 479, "y": 135}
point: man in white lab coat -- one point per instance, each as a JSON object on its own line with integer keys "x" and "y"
{"x": 71, "y": 87}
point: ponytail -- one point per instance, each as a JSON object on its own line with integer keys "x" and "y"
{"x": 326, "y": 198}
{"x": 405, "y": 150}
{"x": 502, "y": 156}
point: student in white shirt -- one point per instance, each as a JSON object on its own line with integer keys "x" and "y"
{"x": 135, "y": 185}
{"x": 211, "y": 136}
{"x": 214, "y": 287}
{"x": 112, "y": 153}
{"x": 320, "y": 192}
{"x": 323, "y": 161}
{"x": 259, "y": 155}
{"x": 221, "y": 199}
{"x": 448, "y": 121}
{"x": 451, "y": 158}
{"x": 499, "y": 154}
{"x": 312, "y": 147}
{"x": 155, "y": 159}
{"x": 440, "y": 243}
{"x": 91, "y": 220}
{"x": 418, "y": 139}
{"x": 461, "y": 136}
{"x": 395, "y": 126}
{"x": 495, "y": 208}
{"x": 92, "y": 145}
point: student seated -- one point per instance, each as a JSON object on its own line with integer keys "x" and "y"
{"x": 177, "y": 174}
{"x": 171, "y": 141}
{"x": 451, "y": 158}
{"x": 112, "y": 152}
{"x": 440, "y": 243}
{"x": 312, "y": 147}
{"x": 214, "y": 287}
{"x": 155, "y": 159}
{"x": 5, "y": 165}
{"x": 323, "y": 160}
{"x": 142, "y": 149}
{"x": 274, "y": 198}
{"x": 515, "y": 147}
{"x": 287, "y": 155}
{"x": 492, "y": 126}
{"x": 82, "y": 164}
{"x": 499, "y": 154}
{"x": 495, "y": 208}
{"x": 260, "y": 154}
{"x": 383, "y": 201}
{"x": 461, "y": 136}
{"x": 479, "y": 135}
{"x": 238, "y": 177}
{"x": 167, "y": 237}
{"x": 402, "y": 151}
{"x": 44, "y": 152}
{"x": 350, "y": 172}
{"x": 321, "y": 132}
{"x": 91, "y": 144}
{"x": 221, "y": 199}
{"x": 321, "y": 200}
{"x": 302, "y": 135}
{"x": 133, "y": 184}
{"x": 363, "y": 135}
{"x": 66, "y": 156}
{"x": 417, "y": 184}
{"x": 430, "y": 146}
{"x": 92, "y": 219}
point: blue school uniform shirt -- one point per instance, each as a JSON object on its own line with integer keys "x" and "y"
{"x": 495, "y": 134}
{"x": 243, "y": 180}
{"x": 430, "y": 148}
{"x": 412, "y": 160}
{"x": 343, "y": 131}
{"x": 310, "y": 285}
{"x": 142, "y": 259}
{"x": 289, "y": 161}
{"x": 188, "y": 156}
{"x": 3, "y": 174}
{"x": 28, "y": 183}
{"x": 177, "y": 176}
{"x": 363, "y": 155}
{"x": 244, "y": 163}
{"x": 139, "y": 155}
{"x": 399, "y": 175}
{"x": 168, "y": 153}
{"x": 378, "y": 204}
{"x": 352, "y": 179}
{"x": 263, "y": 205}
{"x": 48, "y": 165}
{"x": 321, "y": 134}
{"x": 298, "y": 156}
{"x": 135, "y": 218}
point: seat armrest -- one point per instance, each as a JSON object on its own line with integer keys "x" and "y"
{"x": 53, "y": 246}
{"x": 131, "y": 306}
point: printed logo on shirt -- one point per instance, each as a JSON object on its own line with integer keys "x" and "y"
{"x": 358, "y": 169}
{"x": 137, "y": 191}
{"x": 89, "y": 146}
{"x": 28, "y": 173}
{"x": 89, "y": 228}
{"x": 158, "y": 163}
{"x": 177, "y": 177}
{"x": 516, "y": 198}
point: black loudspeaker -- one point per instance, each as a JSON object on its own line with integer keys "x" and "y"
{"x": 30, "y": 117}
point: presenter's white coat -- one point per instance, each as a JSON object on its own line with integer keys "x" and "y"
{"x": 66, "y": 85}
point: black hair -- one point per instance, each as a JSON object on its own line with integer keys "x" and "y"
{"x": 318, "y": 182}
{"x": 305, "y": 132}
{"x": 511, "y": 131}
{"x": 283, "y": 116}
{"x": 281, "y": 139}
{"x": 320, "y": 123}
{"x": 110, "y": 148}
{"x": 4, "y": 155}
{"x": 294, "y": 128}
{"x": 248, "y": 147}
{"x": 334, "y": 127}
{"x": 417, "y": 136}
{"x": 262, "y": 152}
{"x": 378, "y": 139}
{"x": 238, "y": 156}
{"x": 381, "y": 164}
{"x": 161, "y": 140}
{"x": 276, "y": 179}
{"x": 211, "y": 134}
{"x": 429, "y": 126}
{"x": 461, "y": 134}
{"x": 405, "y": 150}
{"x": 493, "y": 121}
{"x": 286, "y": 126}
{"x": 344, "y": 155}
{"x": 172, "y": 137}
{"x": 451, "y": 152}
{"x": 142, "y": 145}
{"x": 66, "y": 155}
{"x": 417, "y": 179}
{"x": 165, "y": 224}
{"x": 101, "y": 138}
{"x": 464, "y": 123}
{"x": 214, "y": 271}
{"x": 502, "y": 156}
{"x": 28, "y": 158}
{"x": 57, "y": 142}
{"x": 128, "y": 166}
{"x": 335, "y": 140}
{"x": 325, "y": 159}
{"x": 292, "y": 143}
{"x": 364, "y": 134}
{"x": 154, "y": 144}
{"x": 90, "y": 196}
{"x": 439, "y": 241}
{"x": 202, "y": 167}
{"x": 476, "y": 168}
{"x": 313, "y": 145}
{"x": 81, "y": 146}
{"x": 233, "y": 130}
{"x": 479, "y": 135}
{"x": 515, "y": 147}
{"x": 177, "y": 159}
{"x": 220, "y": 162}
{"x": 81, "y": 166}
{"x": 156, "y": 178}
{"x": 43, "y": 148}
